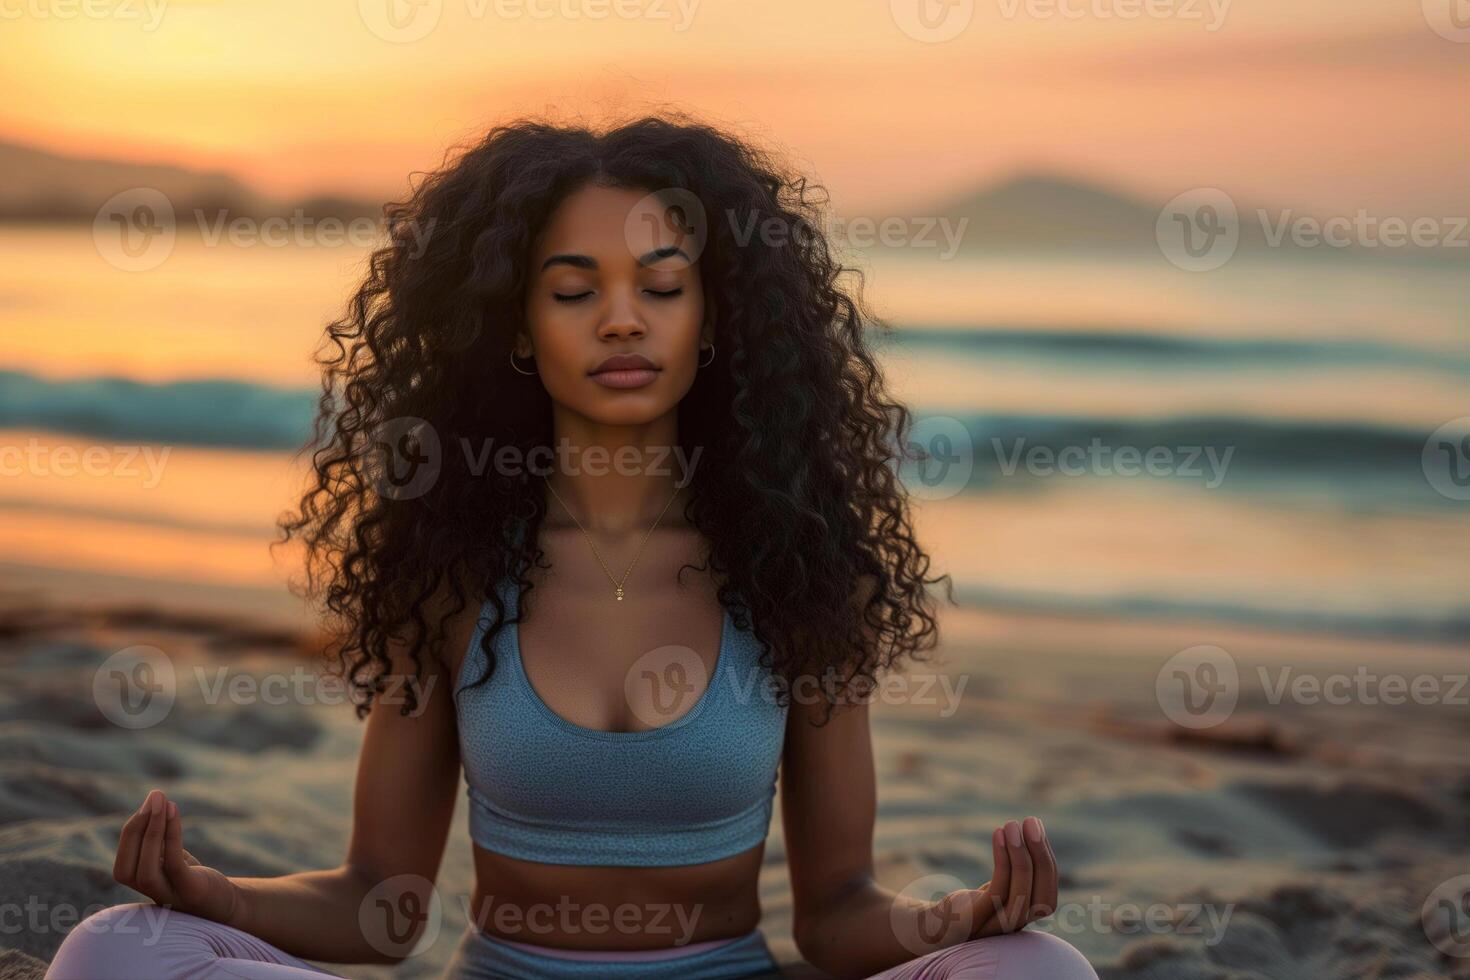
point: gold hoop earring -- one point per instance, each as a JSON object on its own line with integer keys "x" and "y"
{"x": 516, "y": 367}
{"x": 711, "y": 357}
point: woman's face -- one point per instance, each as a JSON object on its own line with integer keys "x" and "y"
{"x": 610, "y": 278}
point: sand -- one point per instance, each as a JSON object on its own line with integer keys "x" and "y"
{"x": 1295, "y": 840}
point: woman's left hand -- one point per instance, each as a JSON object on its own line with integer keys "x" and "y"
{"x": 1023, "y": 888}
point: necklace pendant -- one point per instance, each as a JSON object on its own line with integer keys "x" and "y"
{"x": 620, "y": 594}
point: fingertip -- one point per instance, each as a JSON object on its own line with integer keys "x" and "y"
{"x": 1032, "y": 828}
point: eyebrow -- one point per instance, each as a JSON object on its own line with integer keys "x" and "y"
{"x": 588, "y": 262}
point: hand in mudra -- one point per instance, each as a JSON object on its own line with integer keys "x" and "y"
{"x": 151, "y": 859}
{"x": 1022, "y": 890}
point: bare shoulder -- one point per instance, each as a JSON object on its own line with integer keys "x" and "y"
{"x": 459, "y": 628}
{"x": 448, "y": 624}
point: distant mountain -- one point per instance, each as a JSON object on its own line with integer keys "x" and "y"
{"x": 1029, "y": 211}
{"x": 1053, "y": 213}
{"x": 37, "y": 185}
{"x": 1033, "y": 210}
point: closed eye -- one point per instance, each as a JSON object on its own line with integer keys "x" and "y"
{"x": 666, "y": 294}
{"x": 571, "y": 299}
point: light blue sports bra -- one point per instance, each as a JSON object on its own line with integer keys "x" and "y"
{"x": 542, "y": 788}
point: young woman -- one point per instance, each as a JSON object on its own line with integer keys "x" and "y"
{"x": 604, "y": 497}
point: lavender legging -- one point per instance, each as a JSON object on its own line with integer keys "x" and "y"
{"x": 141, "y": 941}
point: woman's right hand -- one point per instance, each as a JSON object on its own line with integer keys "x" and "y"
{"x": 151, "y": 859}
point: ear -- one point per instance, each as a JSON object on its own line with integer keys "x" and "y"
{"x": 522, "y": 346}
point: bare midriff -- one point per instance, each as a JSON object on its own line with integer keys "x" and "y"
{"x": 616, "y": 908}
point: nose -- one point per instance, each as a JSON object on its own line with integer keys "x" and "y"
{"x": 622, "y": 321}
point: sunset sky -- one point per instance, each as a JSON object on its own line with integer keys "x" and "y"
{"x": 1324, "y": 105}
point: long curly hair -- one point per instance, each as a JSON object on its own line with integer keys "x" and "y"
{"x": 796, "y": 491}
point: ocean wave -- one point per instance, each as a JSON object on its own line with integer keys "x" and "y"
{"x": 1450, "y": 624}
{"x": 1149, "y": 349}
{"x": 206, "y": 412}
{"x": 238, "y": 414}
{"x": 1261, "y": 445}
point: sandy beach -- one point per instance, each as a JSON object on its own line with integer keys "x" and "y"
{"x": 1291, "y": 841}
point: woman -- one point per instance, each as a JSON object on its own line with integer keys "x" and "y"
{"x": 603, "y": 496}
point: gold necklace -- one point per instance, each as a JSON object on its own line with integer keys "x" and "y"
{"x": 617, "y": 583}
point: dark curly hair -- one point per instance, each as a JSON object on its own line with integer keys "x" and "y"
{"x": 796, "y": 489}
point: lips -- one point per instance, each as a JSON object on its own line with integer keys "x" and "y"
{"x": 625, "y": 362}
{"x": 625, "y": 371}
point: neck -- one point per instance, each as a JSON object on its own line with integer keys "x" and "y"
{"x": 616, "y": 479}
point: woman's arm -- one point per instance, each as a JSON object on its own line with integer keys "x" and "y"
{"x": 844, "y": 923}
{"x": 361, "y": 911}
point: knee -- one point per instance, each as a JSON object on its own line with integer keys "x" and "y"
{"x": 117, "y": 941}
{"x": 1028, "y": 955}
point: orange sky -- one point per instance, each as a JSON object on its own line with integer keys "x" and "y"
{"x": 1324, "y": 105}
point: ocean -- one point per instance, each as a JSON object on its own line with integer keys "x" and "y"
{"x": 1283, "y": 442}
